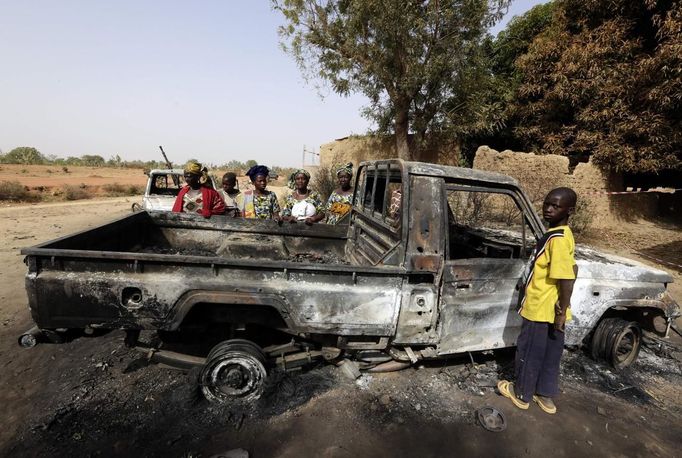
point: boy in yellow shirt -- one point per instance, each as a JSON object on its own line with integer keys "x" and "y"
{"x": 545, "y": 308}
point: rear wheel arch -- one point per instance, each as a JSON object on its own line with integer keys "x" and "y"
{"x": 649, "y": 318}
{"x": 264, "y": 309}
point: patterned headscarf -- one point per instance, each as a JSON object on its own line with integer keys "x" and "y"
{"x": 345, "y": 168}
{"x": 257, "y": 170}
{"x": 292, "y": 177}
{"x": 195, "y": 168}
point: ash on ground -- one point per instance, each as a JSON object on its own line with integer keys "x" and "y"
{"x": 324, "y": 258}
{"x": 179, "y": 251}
{"x": 160, "y": 411}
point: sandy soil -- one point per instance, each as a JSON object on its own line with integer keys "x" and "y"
{"x": 94, "y": 397}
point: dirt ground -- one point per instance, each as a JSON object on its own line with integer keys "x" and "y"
{"x": 94, "y": 397}
{"x": 54, "y": 175}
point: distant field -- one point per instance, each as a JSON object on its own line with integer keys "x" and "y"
{"x": 52, "y": 175}
{"x": 53, "y": 183}
{"x": 31, "y": 183}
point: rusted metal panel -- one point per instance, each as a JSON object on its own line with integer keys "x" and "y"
{"x": 258, "y": 226}
{"x": 478, "y": 304}
{"x": 332, "y": 301}
{"x": 425, "y": 238}
{"x": 418, "y": 315}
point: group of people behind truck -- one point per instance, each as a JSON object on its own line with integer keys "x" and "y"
{"x": 302, "y": 204}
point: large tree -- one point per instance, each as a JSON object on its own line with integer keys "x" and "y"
{"x": 23, "y": 155}
{"x": 488, "y": 119}
{"x": 409, "y": 57}
{"x": 604, "y": 80}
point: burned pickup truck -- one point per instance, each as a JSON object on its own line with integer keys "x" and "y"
{"x": 427, "y": 267}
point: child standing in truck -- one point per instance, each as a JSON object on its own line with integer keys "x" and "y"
{"x": 231, "y": 194}
{"x": 545, "y": 308}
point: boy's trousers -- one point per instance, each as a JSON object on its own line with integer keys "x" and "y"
{"x": 538, "y": 354}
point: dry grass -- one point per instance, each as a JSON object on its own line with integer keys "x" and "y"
{"x": 324, "y": 181}
{"x": 13, "y": 190}
{"x": 71, "y": 192}
{"x": 120, "y": 190}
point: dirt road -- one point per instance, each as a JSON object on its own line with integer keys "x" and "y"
{"x": 94, "y": 397}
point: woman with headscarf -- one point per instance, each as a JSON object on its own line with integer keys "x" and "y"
{"x": 302, "y": 204}
{"x": 339, "y": 202}
{"x": 258, "y": 202}
{"x": 198, "y": 196}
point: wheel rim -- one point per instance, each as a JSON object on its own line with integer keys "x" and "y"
{"x": 625, "y": 347}
{"x": 233, "y": 375}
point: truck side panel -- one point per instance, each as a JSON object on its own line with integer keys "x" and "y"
{"x": 116, "y": 294}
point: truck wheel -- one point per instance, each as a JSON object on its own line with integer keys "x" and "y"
{"x": 136, "y": 207}
{"x": 617, "y": 341}
{"x": 234, "y": 370}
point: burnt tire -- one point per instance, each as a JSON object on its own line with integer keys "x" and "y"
{"x": 617, "y": 341}
{"x": 136, "y": 207}
{"x": 234, "y": 371}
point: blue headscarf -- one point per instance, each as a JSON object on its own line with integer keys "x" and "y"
{"x": 257, "y": 170}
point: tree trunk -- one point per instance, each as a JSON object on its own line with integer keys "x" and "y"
{"x": 401, "y": 130}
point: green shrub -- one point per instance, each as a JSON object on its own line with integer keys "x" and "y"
{"x": 13, "y": 190}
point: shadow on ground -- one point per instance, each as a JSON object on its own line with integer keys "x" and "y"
{"x": 670, "y": 254}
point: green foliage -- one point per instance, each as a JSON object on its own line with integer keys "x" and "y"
{"x": 115, "y": 161}
{"x": 514, "y": 41}
{"x": 92, "y": 160}
{"x": 238, "y": 166}
{"x": 234, "y": 165}
{"x": 23, "y": 155}
{"x": 415, "y": 61}
{"x": 13, "y": 190}
{"x": 283, "y": 172}
{"x": 604, "y": 80}
{"x": 485, "y": 117}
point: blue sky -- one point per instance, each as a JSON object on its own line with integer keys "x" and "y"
{"x": 204, "y": 79}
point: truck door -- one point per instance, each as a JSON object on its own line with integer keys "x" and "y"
{"x": 488, "y": 244}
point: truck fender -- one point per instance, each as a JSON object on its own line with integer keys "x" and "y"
{"x": 653, "y": 314}
{"x": 188, "y": 300}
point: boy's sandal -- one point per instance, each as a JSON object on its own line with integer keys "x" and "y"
{"x": 506, "y": 389}
{"x": 545, "y": 404}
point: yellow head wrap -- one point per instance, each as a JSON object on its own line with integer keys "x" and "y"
{"x": 195, "y": 168}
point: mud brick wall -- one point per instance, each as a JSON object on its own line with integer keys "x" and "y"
{"x": 540, "y": 173}
{"x": 356, "y": 149}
